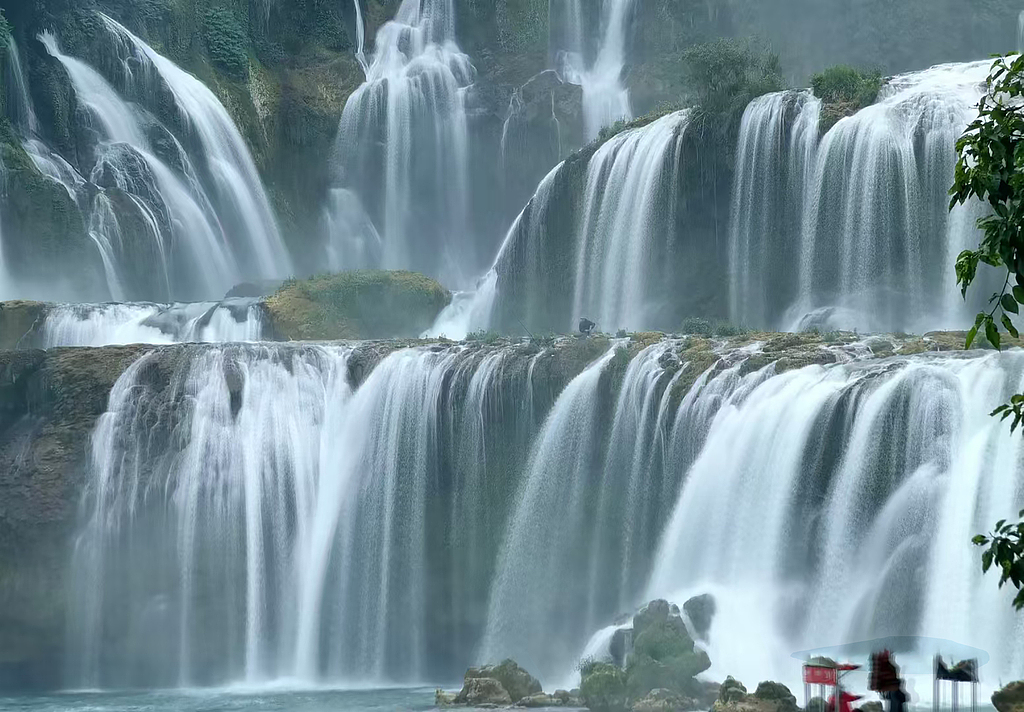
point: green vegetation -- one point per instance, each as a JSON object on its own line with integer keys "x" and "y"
{"x": 991, "y": 169}
{"x": 845, "y": 90}
{"x": 5, "y": 29}
{"x": 660, "y": 111}
{"x": 724, "y": 76}
{"x": 226, "y": 42}
{"x": 366, "y": 304}
{"x": 698, "y": 326}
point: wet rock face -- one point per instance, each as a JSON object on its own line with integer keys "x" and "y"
{"x": 18, "y": 322}
{"x": 514, "y": 679}
{"x": 483, "y": 691}
{"x": 700, "y": 610}
{"x": 49, "y": 403}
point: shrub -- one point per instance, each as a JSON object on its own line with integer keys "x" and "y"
{"x": 697, "y": 326}
{"x": 723, "y": 77}
{"x": 226, "y": 42}
{"x": 845, "y": 90}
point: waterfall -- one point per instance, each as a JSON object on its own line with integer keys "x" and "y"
{"x": 860, "y": 234}
{"x": 19, "y": 104}
{"x": 622, "y": 236}
{"x": 336, "y": 514}
{"x": 775, "y": 154}
{"x": 601, "y": 505}
{"x": 360, "y": 37}
{"x": 128, "y": 323}
{"x": 252, "y": 515}
{"x": 235, "y": 179}
{"x": 403, "y": 144}
{"x": 473, "y": 310}
{"x": 605, "y": 100}
{"x": 125, "y": 154}
{"x": 837, "y": 504}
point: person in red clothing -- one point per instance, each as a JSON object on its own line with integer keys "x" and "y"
{"x": 845, "y": 698}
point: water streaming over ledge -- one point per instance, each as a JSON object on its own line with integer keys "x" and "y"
{"x": 232, "y": 320}
{"x": 403, "y": 150}
{"x": 344, "y": 514}
{"x": 852, "y": 230}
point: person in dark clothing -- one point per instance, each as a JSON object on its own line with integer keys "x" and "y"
{"x": 885, "y": 679}
{"x": 897, "y": 699}
{"x": 586, "y": 326}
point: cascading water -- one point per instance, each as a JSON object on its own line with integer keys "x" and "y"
{"x": 19, "y": 105}
{"x": 832, "y": 505}
{"x": 360, "y": 37}
{"x": 622, "y": 236}
{"x": 472, "y": 310}
{"x": 125, "y": 155}
{"x": 775, "y": 155}
{"x": 862, "y": 215}
{"x": 236, "y": 182}
{"x": 602, "y": 508}
{"x": 605, "y": 100}
{"x": 403, "y": 145}
{"x": 111, "y": 324}
{"x": 258, "y": 512}
{"x": 278, "y": 524}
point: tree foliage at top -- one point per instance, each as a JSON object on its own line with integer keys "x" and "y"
{"x": 991, "y": 168}
{"x": 724, "y": 76}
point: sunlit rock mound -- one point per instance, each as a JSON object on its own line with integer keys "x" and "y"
{"x": 356, "y": 305}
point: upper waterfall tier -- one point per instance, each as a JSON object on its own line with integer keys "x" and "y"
{"x": 403, "y": 153}
{"x": 160, "y": 183}
{"x": 853, "y": 230}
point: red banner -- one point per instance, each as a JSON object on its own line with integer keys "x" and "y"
{"x": 814, "y": 675}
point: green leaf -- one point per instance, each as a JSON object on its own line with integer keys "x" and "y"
{"x": 992, "y": 334}
{"x": 980, "y": 540}
{"x": 1009, "y": 304}
{"x": 1018, "y": 290}
{"x": 1008, "y": 325}
{"x": 971, "y": 336}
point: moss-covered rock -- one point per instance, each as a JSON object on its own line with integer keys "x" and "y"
{"x": 365, "y": 304}
{"x": 664, "y": 656}
{"x": 516, "y": 681}
{"x": 844, "y": 91}
{"x": 603, "y": 687}
{"x": 1010, "y": 698}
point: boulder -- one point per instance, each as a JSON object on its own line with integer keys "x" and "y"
{"x": 700, "y": 610}
{"x": 444, "y": 699}
{"x": 540, "y": 700}
{"x": 732, "y": 690}
{"x": 662, "y": 700}
{"x": 365, "y": 304}
{"x": 769, "y": 697}
{"x": 1010, "y": 698}
{"x": 776, "y": 692}
{"x": 663, "y": 653}
{"x": 603, "y": 687}
{"x": 516, "y": 681}
{"x": 483, "y": 691}
{"x": 621, "y": 646}
{"x": 563, "y": 696}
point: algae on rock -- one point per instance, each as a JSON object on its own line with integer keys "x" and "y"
{"x": 365, "y": 304}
